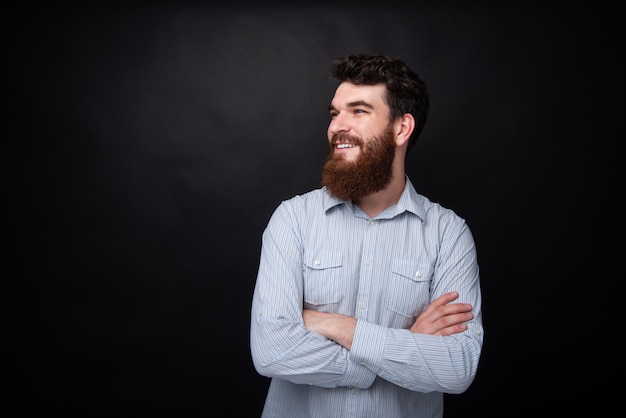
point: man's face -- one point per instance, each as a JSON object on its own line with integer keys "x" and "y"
{"x": 361, "y": 143}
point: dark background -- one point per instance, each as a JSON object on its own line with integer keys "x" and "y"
{"x": 145, "y": 147}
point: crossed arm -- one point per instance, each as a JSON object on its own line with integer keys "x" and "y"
{"x": 440, "y": 318}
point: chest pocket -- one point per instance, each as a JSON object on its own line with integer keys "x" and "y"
{"x": 409, "y": 290}
{"x": 322, "y": 277}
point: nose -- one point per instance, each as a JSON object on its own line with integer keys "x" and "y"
{"x": 337, "y": 124}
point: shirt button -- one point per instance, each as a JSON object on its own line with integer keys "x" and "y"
{"x": 418, "y": 274}
{"x": 368, "y": 263}
{"x": 317, "y": 262}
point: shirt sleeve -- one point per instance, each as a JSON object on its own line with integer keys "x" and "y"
{"x": 280, "y": 344}
{"x": 423, "y": 362}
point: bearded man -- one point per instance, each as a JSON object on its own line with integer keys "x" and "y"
{"x": 367, "y": 301}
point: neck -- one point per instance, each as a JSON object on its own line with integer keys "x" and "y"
{"x": 377, "y": 202}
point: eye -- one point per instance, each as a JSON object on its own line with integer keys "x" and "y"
{"x": 333, "y": 114}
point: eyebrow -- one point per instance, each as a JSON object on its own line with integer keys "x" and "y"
{"x": 354, "y": 104}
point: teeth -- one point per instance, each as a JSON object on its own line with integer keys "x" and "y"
{"x": 342, "y": 146}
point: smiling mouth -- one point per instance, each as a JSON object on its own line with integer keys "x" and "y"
{"x": 344, "y": 146}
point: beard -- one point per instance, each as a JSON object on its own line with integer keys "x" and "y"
{"x": 370, "y": 172}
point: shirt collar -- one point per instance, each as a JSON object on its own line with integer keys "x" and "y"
{"x": 410, "y": 201}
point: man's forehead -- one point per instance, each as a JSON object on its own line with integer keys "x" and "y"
{"x": 348, "y": 94}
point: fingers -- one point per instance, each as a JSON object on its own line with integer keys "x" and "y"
{"x": 442, "y": 307}
{"x": 454, "y": 329}
{"x": 454, "y": 319}
{"x": 442, "y": 323}
{"x": 442, "y": 317}
{"x": 441, "y": 301}
{"x": 445, "y": 298}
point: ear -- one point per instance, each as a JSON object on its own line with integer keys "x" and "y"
{"x": 404, "y": 128}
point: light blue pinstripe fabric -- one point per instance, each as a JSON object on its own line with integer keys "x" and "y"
{"x": 323, "y": 253}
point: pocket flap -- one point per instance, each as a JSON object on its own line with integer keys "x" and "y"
{"x": 411, "y": 269}
{"x": 323, "y": 259}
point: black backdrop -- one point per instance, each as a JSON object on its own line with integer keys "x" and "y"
{"x": 145, "y": 147}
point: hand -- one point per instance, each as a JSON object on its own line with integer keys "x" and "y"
{"x": 442, "y": 317}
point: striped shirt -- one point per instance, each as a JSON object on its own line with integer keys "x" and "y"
{"x": 322, "y": 253}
